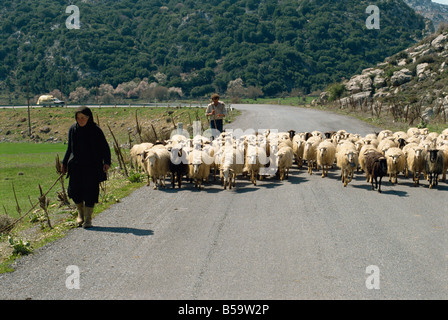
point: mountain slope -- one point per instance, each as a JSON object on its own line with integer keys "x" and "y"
{"x": 436, "y": 12}
{"x": 198, "y": 46}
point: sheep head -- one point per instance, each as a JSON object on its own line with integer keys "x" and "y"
{"x": 350, "y": 155}
{"x": 152, "y": 156}
{"x": 433, "y": 155}
{"x": 395, "y": 158}
{"x": 322, "y": 151}
{"x": 382, "y": 165}
{"x": 418, "y": 153}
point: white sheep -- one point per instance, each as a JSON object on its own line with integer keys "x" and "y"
{"x": 309, "y": 152}
{"x": 428, "y": 144}
{"x": 406, "y": 149}
{"x": 199, "y": 163}
{"x": 285, "y": 158}
{"x": 326, "y": 156}
{"x": 414, "y": 139}
{"x": 135, "y": 154}
{"x": 385, "y": 144}
{"x": 413, "y": 132}
{"x": 232, "y": 164}
{"x": 444, "y": 149}
{"x": 347, "y": 161}
{"x": 415, "y": 162}
{"x": 156, "y": 162}
{"x": 252, "y": 162}
{"x": 396, "y": 163}
{"x": 384, "y": 134}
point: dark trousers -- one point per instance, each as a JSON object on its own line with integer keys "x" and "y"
{"x": 219, "y": 124}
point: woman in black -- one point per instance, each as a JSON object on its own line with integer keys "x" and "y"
{"x": 86, "y": 161}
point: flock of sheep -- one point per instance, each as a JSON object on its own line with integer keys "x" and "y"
{"x": 274, "y": 153}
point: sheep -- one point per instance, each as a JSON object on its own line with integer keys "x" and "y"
{"x": 326, "y": 155}
{"x": 178, "y": 165}
{"x": 434, "y": 163}
{"x": 413, "y": 132}
{"x": 376, "y": 167}
{"x": 396, "y": 163}
{"x": 340, "y": 135}
{"x": 413, "y": 139}
{"x": 400, "y": 134}
{"x": 444, "y": 149}
{"x": 252, "y": 163}
{"x": 415, "y": 161}
{"x": 347, "y": 161}
{"x": 156, "y": 163}
{"x": 317, "y": 133}
{"x": 424, "y": 131}
{"x": 362, "y": 155}
{"x": 406, "y": 149}
{"x": 285, "y": 158}
{"x": 371, "y": 136}
{"x": 298, "y": 145}
{"x": 428, "y": 144}
{"x": 384, "y": 134}
{"x": 386, "y": 144}
{"x": 198, "y": 166}
{"x": 309, "y": 152}
{"x": 442, "y": 139}
{"x": 135, "y": 154}
{"x": 232, "y": 164}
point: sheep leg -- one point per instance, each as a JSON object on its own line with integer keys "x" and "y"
{"x": 379, "y": 185}
{"x": 154, "y": 180}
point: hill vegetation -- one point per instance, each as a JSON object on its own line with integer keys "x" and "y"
{"x": 149, "y": 49}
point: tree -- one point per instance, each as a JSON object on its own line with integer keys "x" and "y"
{"x": 80, "y": 95}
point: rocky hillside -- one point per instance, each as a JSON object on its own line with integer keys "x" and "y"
{"x": 436, "y": 12}
{"x": 412, "y": 84}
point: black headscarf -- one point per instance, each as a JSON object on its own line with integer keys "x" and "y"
{"x": 87, "y": 112}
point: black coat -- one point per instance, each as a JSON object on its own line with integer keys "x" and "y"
{"x": 86, "y": 154}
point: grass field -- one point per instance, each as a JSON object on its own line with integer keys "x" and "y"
{"x": 25, "y": 166}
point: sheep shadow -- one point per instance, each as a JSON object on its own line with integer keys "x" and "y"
{"x": 399, "y": 193}
{"x": 123, "y": 230}
{"x": 365, "y": 186}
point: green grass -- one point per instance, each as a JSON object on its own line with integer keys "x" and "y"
{"x": 25, "y": 166}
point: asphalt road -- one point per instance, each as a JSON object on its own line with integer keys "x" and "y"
{"x": 303, "y": 238}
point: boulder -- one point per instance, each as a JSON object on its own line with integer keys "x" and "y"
{"x": 359, "y": 83}
{"x": 441, "y": 42}
{"x": 400, "y": 77}
{"x": 421, "y": 71}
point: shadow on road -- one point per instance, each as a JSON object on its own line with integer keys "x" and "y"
{"x": 134, "y": 231}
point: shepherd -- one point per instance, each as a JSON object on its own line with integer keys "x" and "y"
{"x": 86, "y": 162}
{"x": 216, "y": 110}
